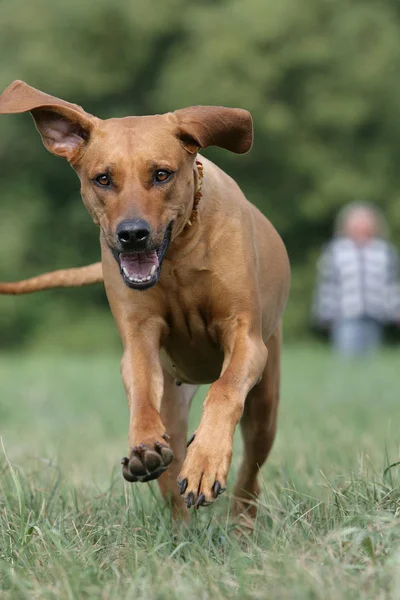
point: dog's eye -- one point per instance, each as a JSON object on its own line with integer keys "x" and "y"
{"x": 103, "y": 179}
{"x": 162, "y": 175}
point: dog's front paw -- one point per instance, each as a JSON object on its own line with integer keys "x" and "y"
{"x": 146, "y": 462}
{"x": 204, "y": 472}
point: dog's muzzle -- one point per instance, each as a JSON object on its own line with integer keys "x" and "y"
{"x": 142, "y": 270}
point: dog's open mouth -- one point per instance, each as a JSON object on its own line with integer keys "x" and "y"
{"x": 142, "y": 270}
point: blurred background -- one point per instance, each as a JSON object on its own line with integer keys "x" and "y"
{"x": 320, "y": 78}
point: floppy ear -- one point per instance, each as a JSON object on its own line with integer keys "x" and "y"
{"x": 65, "y": 128}
{"x": 202, "y": 126}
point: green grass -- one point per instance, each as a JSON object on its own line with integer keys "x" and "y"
{"x": 329, "y": 518}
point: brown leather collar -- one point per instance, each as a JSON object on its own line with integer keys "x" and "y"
{"x": 198, "y": 195}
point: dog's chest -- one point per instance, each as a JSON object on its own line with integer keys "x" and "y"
{"x": 190, "y": 351}
{"x": 191, "y": 364}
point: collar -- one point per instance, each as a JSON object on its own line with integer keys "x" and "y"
{"x": 198, "y": 195}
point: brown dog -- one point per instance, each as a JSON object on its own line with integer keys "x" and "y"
{"x": 197, "y": 282}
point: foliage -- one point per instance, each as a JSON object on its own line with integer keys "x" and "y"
{"x": 320, "y": 78}
{"x": 328, "y": 522}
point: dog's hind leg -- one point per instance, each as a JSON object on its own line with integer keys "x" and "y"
{"x": 174, "y": 411}
{"x": 258, "y": 426}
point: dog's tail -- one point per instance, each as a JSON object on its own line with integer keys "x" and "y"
{"x": 55, "y": 279}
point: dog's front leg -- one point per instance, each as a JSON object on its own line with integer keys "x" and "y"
{"x": 142, "y": 375}
{"x": 205, "y": 470}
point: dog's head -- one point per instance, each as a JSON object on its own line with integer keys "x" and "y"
{"x": 137, "y": 173}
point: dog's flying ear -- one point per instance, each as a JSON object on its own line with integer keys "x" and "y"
{"x": 64, "y": 127}
{"x": 202, "y": 126}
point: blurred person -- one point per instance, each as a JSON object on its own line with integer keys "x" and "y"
{"x": 358, "y": 289}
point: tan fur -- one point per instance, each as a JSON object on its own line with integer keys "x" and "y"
{"x": 56, "y": 279}
{"x": 215, "y": 314}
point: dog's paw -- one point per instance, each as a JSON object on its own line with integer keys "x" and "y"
{"x": 204, "y": 472}
{"x": 146, "y": 462}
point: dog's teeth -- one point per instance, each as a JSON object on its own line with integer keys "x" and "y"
{"x": 153, "y": 270}
{"x": 139, "y": 279}
{"x": 126, "y": 272}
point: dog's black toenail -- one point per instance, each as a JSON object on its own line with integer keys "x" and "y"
{"x": 125, "y": 461}
{"x": 190, "y": 500}
{"x": 183, "y": 485}
{"x": 190, "y": 440}
{"x": 217, "y": 488}
{"x": 166, "y": 453}
{"x": 200, "y": 501}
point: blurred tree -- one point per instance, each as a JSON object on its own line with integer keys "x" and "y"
{"x": 320, "y": 78}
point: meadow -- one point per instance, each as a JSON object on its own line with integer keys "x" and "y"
{"x": 328, "y": 524}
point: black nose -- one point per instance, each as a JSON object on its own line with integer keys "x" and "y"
{"x": 133, "y": 235}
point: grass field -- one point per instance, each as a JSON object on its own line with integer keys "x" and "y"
{"x": 329, "y": 517}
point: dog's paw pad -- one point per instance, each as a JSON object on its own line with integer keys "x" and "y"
{"x": 136, "y": 467}
{"x": 165, "y": 452}
{"x": 146, "y": 463}
{"x": 152, "y": 461}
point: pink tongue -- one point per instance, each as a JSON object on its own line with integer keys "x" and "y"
{"x": 138, "y": 266}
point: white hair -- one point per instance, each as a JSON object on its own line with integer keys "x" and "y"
{"x": 382, "y": 229}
